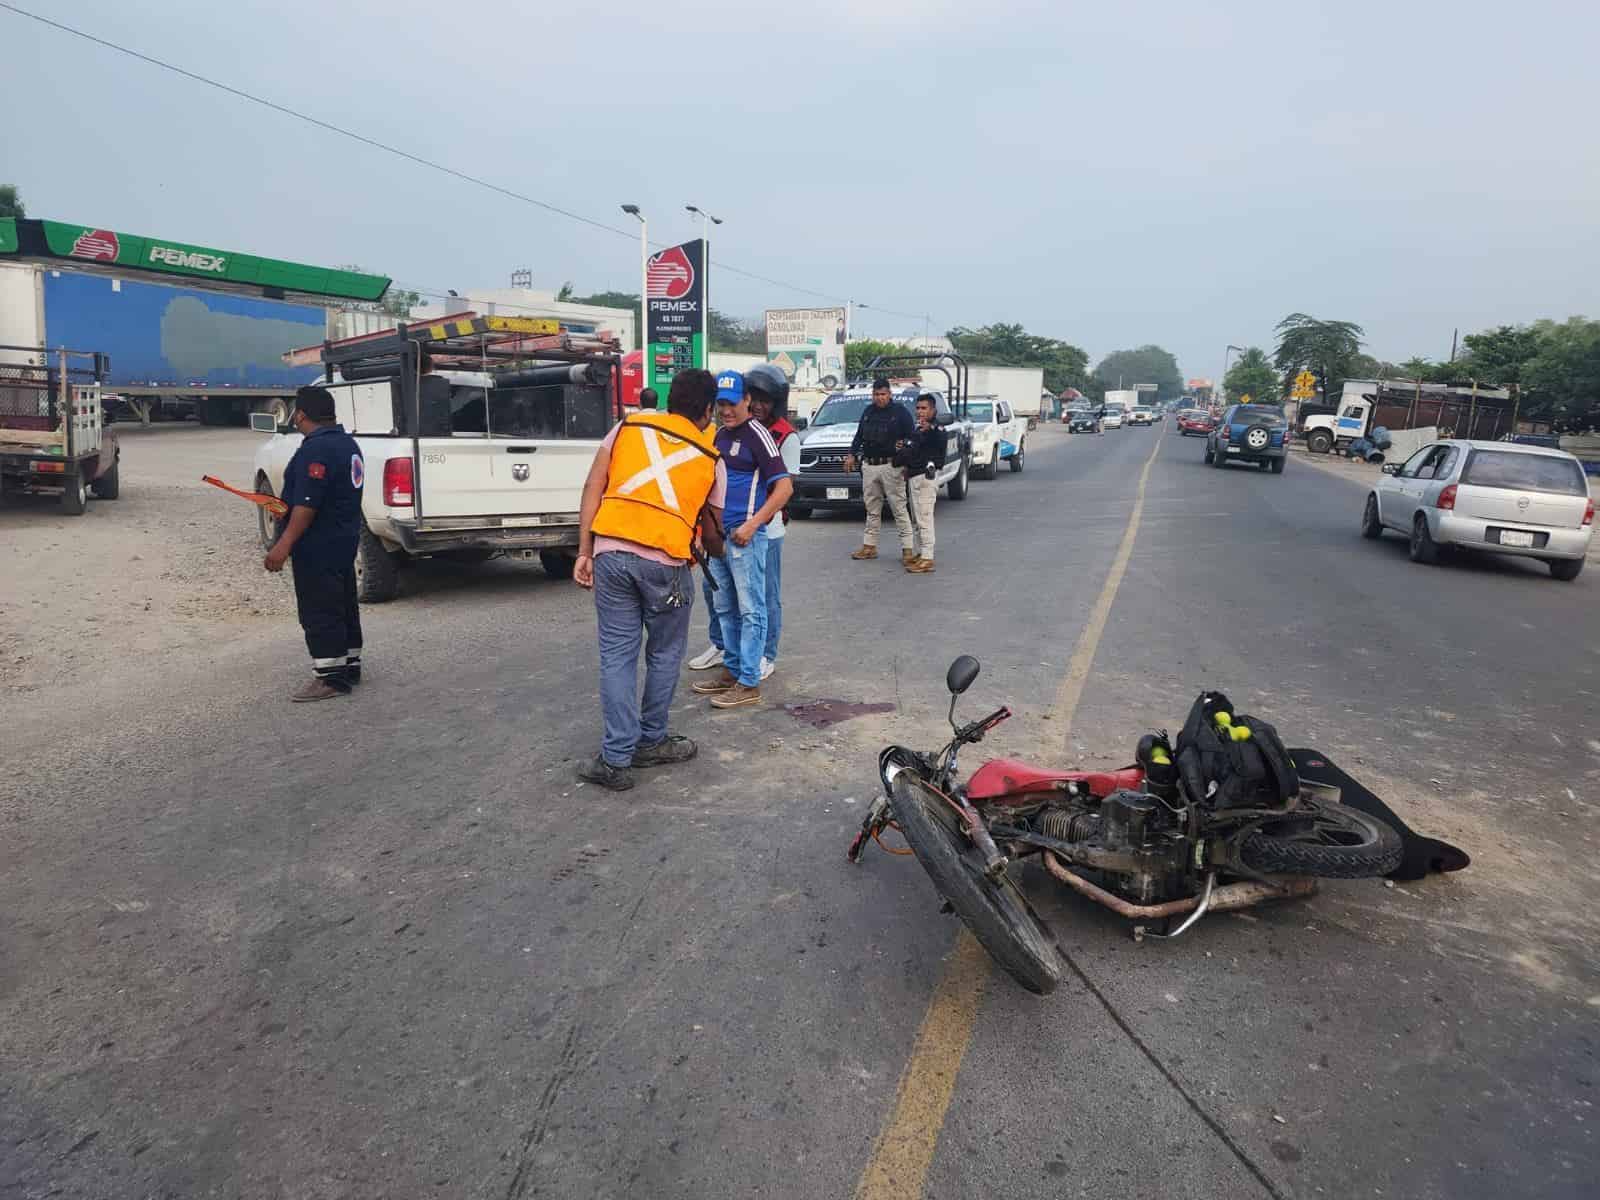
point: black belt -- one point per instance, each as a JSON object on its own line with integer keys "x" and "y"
{"x": 878, "y": 462}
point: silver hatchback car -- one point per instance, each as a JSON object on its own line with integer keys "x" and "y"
{"x": 1496, "y": 496}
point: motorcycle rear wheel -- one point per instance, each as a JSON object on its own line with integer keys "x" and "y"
{"x": 1329, "y": 841}
{"x": 996, "y": 912}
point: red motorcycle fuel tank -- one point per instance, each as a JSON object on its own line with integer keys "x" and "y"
{"x": 1001, "y": 780}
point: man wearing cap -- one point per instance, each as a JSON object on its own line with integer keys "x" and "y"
{"x": 758, "y": 488}
{"x": 655, "y": 486}
{"x": 884, "y": 428}
{"x": 322, "y": 484}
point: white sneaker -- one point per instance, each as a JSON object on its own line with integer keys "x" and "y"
{"x": 767, "y": 667}
{"x": 706, "y": 659}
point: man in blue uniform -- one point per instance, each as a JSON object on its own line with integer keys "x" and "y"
{"x": 322, "y": 484}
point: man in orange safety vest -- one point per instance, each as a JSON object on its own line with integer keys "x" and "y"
{"x": 655, "y": 491}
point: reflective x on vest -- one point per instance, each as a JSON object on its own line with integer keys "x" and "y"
{"x": 660, "y": 468}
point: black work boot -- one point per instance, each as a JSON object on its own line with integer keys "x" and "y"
{"x": 599, "y": 771}
{"x": 670, "y": 749}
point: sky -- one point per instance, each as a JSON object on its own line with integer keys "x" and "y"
{"x": 1108, "y": 174}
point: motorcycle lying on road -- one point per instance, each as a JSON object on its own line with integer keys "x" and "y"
{"x": 1219, "y": 821}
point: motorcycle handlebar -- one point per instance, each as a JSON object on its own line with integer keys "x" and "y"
{"x": 975, "y": 731}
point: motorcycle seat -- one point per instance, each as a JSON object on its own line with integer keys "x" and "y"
{"x": 1002, "y": 777}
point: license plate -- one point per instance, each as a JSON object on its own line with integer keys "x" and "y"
{"x": 1515, "y": 537}
{"x": 838, "y": 493}
{"x": 519, "y": 522}
{"x": 1233, "y": 449}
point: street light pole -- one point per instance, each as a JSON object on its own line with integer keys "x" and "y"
{"x": 644, "y": 290}
{"x": 705, "y": 271}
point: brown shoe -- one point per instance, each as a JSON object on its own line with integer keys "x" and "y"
{"x": 921, "y": 566}
{"x": 711, "y": 687}
{"x": 737, "y": 697}
{"x": 907, "y": 557}
{"x": 865, "y": 552}
{"x": 316, "y": 690}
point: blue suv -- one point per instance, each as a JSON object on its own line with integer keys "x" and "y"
{"x": 1253, "y": 433}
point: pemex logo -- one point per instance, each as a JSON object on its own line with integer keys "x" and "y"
{"x": 668, "y": 275}
{"x": 97, "y": 244}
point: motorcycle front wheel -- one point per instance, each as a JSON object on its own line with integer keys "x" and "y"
{"x": 996, "y": 912}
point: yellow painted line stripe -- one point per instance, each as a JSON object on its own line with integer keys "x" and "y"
{"x": 899, "y": 1164}
{"x": 905, "y": 1147}
{"x": 1071, "y": 689}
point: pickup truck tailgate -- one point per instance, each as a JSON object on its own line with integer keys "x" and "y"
{"x": 493, "y": 477}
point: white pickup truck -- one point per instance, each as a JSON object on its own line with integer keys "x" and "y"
{"x": 998, "y": 435}
{"x": 464, "y": 465}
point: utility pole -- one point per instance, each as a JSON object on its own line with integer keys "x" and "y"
{"x": 644, "y": 290}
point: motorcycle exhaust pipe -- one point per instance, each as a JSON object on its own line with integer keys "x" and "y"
{"x": 1223, "y": 899}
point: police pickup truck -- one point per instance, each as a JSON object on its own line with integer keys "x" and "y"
{"x": 824, "y": 444}
{"x": 998, "y": 435}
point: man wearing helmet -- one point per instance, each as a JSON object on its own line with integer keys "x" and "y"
{"x": 768, "y": 388}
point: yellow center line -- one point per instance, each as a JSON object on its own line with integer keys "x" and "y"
{"x": 904, "y": 1150}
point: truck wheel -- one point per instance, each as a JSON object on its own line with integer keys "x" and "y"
{"x": 106, "y": 487}
{"x": 557, "y": 564}
{"x": 377, "y": 570}
{"x": 956, "y": 489}
{"x": 1276, "y": 466}
{"x": 74, "y": 495}
{"x": 1016, "y": 459}
{"x": 266, "y": 525}
{"x": 992, "y": 470}
{"x": 1319, "y": 441}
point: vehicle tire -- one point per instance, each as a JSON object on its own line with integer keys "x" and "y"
{"x": 1319, "y": 441}
{"x": 1566, "y": 569}
{"x": 996, "y": 911}
{"x": 1276, "y": 465}
{"x": 1257, "y": 438}
{"x": 956, "y": 489}
{"x": 1016, "y": 459}
{"x": 74, "y": 494}
{"x": 1208, "y": 455}
{"x": 557, "y": 563}
{"x": 470, "y": 557}
{"x": 1329, "y": 841}
{"x": 377, "y": 570}
{"x": 107, "y": 486}
{"x": 800, "y": 512}
{"x": 1423, "y": 548}
{"x": 1371, "y": 522}
{"x": 266, "y": 524}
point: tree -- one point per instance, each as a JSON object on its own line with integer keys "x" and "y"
{"x": 1253, "y": 375}
{"x": 1146, "y": 364}
{"x": 857, "y": 354}
{"x": 397, "y": 302}
{"x": 565, "y": 294}
{"x": 1497, "y": 355}
{"x": 732, "y": 336}
{"x": 1328, "y": 349}
{"x": 1006, "y": 345}
{"x": 1561, "y": 382}
{"x": 10, "y": 202}
{"x": 628, "y": 301}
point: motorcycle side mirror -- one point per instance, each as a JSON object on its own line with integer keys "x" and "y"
{"x": 961, "y": 674}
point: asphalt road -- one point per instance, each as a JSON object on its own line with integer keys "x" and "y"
{"x": 389, "y": 947}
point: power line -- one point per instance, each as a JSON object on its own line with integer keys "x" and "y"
{"x": 384, "y": 146}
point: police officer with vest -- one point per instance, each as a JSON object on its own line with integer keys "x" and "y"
{"x": 884, "y": 428}
{"x": 322, "y": 484}
{"x": 656, "y": 489}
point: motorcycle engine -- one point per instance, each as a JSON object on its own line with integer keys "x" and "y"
{"x": 1134, "y": 823}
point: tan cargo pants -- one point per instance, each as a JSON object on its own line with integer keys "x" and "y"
{"x": 877, "y": 484}
{"x": 924, "y": 492}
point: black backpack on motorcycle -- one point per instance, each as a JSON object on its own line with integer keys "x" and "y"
{"x": 1256, "y": 772}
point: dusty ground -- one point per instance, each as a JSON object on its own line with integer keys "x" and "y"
{"x": 171, "y": 566}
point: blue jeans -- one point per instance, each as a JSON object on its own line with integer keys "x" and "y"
{"x": 741, "y": 598}
{"x": 634, "y": 597}
{"x": 711, "y": 609}
{"x": 774, "y": 596}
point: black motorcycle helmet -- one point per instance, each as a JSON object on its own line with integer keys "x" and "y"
{"x": 772, "y": 383}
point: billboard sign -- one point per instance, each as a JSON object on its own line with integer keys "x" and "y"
{"x": 675, "y": 326}
{"x": 808, "y": 344}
